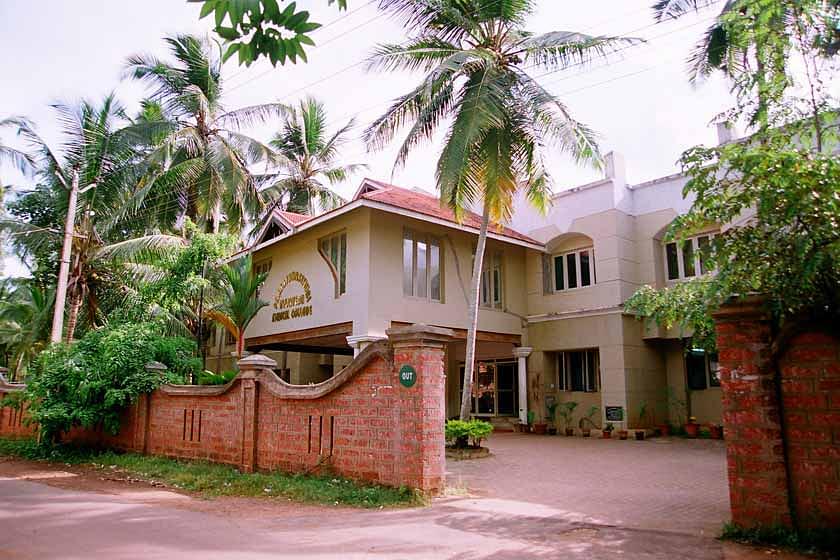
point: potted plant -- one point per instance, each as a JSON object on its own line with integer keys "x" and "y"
{"x": 606, "y": 433}
{"x": 586, "y": 422}
{"x": 566, "y": 411}
{"x": 692, "y": 428}
{"x": 532, "y": 416}
{"x": 715, "y": 431}
{"x": 552, "y": 413}
{"x": 622, "y": 434}
{"x": 640, "y": 432}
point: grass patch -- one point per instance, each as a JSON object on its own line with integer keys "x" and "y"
{"x": 210, "y": 480}
{"x": 807, "y": 541}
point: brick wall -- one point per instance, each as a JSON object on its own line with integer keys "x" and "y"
{"x": 362, "y": 423}
{"x": 782, "y": 418}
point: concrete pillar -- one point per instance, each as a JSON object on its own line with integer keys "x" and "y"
{"x": 362, "y": 341}
{"x": 522, "y": 353}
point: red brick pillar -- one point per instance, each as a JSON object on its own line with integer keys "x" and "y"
{"x": 758, "y": 486}
{"x": 249, "y": 370}
{"x": 419, "y": 377}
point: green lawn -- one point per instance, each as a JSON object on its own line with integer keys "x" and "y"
{"x": 209, "y": 480}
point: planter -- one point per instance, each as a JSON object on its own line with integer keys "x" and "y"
{"x": 622, "y": 434}
{"x": 715, "y": 432}
{"x": 466, "y": 453}
{"x": 540, "y": 428}
{"x": 692, "y": 429}
{"x": 521, "y": 428}
{"x": 585, "y": 432}
{"x": 570, "y": 432}
{"x": 606, "y": 435}
{"x": 640, "y": 435}
{"x": 552, "y": 431}
{"x": 664, "y": 430}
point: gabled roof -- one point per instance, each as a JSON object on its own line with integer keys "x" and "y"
{"x": 427, "y": 204}
{"x": 293, "y": 217}
{"x": 285, "y": 222}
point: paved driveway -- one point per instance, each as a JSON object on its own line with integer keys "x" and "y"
{"x": 663, "y": 484}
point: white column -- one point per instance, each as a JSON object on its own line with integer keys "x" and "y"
{"x": 360, "y": 342}
{"x": 522, "y": 353}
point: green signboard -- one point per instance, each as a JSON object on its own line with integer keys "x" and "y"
{"x": 408, "y": 376}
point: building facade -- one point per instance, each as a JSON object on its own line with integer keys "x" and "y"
{"x": 552, "y": 327}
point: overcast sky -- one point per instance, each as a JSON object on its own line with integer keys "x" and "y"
{"x": 639, "y": 101}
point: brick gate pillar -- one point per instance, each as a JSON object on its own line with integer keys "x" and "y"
{"x": 249, "y": 370}
{"x": 419, "y": 377}
{"x": 758, "y": 489}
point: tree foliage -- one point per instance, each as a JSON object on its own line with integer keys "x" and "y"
{"x": 93, "y": 380}
{"x": 262, "y": 28}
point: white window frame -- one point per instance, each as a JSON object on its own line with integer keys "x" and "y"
{"x": 564, "y": 375}
{"x": 260, "y": 267}
{"x": 563, "y": 256}
{"x": 695, "y": 247}
{"x": 493, "y": 262}
{"x": 341, "y": 256}
{"x": 430, "y": 241}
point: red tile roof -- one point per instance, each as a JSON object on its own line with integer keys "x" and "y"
{"x": 429, "y": 205}
{"x": 293, "y": 217}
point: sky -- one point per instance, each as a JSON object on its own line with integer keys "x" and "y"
{"x": 639, "y": 100}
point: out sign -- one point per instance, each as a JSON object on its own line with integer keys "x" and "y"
{"x": 408, "y": 376}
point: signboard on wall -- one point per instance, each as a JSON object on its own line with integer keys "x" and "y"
{"x": 614, "y": 413}
{"x": 293, "y": 298}
{"x": 408, "y": 376}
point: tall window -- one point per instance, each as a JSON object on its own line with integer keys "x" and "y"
{"x": 492, "y": 286}
{"x": 421, "y": 266}
{"x": 260, "y": 268}
{"x": 578, "y": 370}
{"x": 334, "y": 250}
{"x": 686, "y": 259}
{"x": 575, "y": 269}
{"x": 701, "y": 369}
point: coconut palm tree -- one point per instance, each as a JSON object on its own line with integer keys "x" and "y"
{"x": 240, "y": 302}
{"x": 308, "y": 160}
{"x": 476, "y": 55}
{"x": 200, "y": 166}
{"x": 25, "y": 321}
{"x": 98, "y": 149}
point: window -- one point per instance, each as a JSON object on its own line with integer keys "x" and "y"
{"x": 701, "y": 370}
{"x": 262, "y": 267}
{"x": 575, "y": 269}
{"x": 494, "y": 388}
{"x": 578, "y": 370}
{"x": 492, "y": 287}
{"x": 334, "y": 250}
{"x": 422, "y": 266}
{"x": 686, "y": 259}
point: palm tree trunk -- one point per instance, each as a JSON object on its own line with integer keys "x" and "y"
{"x": 73, "y": 315}
{"x": 472, "y": 327}
{"x": 240, "y": 344}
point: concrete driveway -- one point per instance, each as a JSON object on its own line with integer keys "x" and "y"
{"x": 52, "y": 511}
{"x": 664, "y": 484}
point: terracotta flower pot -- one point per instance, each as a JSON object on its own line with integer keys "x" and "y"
{"x": 622, "y": 434}
{"x": 540, "y": 428}
{"x": 585, "y": 432}
{"x": 664, "y": 430}
{"x": 640, "y": 435}
{"x": 715, "y": 432}
{"x": 692, "y": 429}
{"x": 606, "y": 435}
{"x": 570, "y": 432}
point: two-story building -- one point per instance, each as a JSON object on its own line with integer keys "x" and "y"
{"x": 551, "y": 326}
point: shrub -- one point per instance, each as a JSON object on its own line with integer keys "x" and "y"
{"x": 93, "y": 380}
{"x": 460, "y": 433}
{"x": 212, "y": 378}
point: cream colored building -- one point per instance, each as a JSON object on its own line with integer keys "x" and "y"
{"x": 551, "y": 326}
